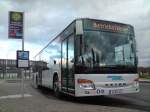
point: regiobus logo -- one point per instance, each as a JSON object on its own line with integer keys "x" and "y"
{"x": 115, "y": 77}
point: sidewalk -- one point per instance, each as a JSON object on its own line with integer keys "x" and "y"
{"x": 1, "y": 81}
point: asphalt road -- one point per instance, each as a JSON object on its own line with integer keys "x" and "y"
{"x": 139, "y": 101}
{"x": 43, "y": 100}
{"x": 143, "y": 97}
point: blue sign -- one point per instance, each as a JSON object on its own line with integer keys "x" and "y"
{"x": 115, "y": 77}
{"x": 24, "y": 55}
{"x": 22, "y": 59}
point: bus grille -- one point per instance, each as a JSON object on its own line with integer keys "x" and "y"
{"x": 111, "y": 85}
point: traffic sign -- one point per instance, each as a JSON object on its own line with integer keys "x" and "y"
{"x": 22, "y": 59}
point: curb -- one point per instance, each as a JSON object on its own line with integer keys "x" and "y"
{"x": 144, "y": 81}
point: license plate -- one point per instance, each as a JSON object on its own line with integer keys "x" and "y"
{"x": 115, "y": 91}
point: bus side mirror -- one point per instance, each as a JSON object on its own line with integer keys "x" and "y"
{"x": 136, "y": 60}
{"x": 79, "y": 27}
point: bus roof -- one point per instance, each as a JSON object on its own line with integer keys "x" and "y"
{"x": 104, "y": 21}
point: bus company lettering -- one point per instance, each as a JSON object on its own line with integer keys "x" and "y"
{"x": 114, "y": 27}
{"x": 115, "y": 77}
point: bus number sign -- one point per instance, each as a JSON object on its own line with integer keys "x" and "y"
{"x": 100, "y": 91}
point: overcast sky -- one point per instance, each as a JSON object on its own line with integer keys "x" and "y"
{"x": 44, "y": 19}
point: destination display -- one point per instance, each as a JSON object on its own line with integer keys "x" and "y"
{"x": 106, "y": 26}
{"x": 112, "y": 27}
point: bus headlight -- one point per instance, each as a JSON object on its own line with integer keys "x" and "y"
{"x": 86, "y": 84}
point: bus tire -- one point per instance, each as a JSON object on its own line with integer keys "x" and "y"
{"x": 56, "y": 86}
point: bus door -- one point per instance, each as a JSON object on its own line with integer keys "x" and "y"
{"x": 64, "y": 70}
{"x": 68, "y": 65}
{"x": 70, "y": 50}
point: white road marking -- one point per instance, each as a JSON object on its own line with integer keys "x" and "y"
{"x": 14, "y": 96}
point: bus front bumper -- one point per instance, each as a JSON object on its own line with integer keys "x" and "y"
{"x": 98, "y": 84}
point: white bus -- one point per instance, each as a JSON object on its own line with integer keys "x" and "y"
{"x": 90, "y": 58}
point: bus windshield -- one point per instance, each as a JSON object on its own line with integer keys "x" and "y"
{"x": 105, "y": 49}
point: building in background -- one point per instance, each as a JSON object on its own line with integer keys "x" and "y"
{"x": 8, "y": 69}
